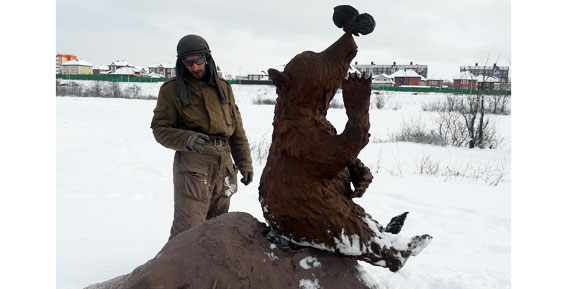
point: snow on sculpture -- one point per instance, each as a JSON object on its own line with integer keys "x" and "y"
{"x": 305, "y": 187}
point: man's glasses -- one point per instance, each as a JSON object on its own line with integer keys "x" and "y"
{"x": 199, "y": 61}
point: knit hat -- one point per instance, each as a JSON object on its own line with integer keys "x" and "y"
{"x": 191, "y": 45}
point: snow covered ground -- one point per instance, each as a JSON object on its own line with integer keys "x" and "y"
{"x": 115, "y": 203}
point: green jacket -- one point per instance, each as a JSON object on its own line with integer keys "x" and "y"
{"x": 172, "y": 124}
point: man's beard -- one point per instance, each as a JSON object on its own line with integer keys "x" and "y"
{"x": 198, "y": 74}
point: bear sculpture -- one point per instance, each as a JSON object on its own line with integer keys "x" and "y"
{"x": 305, "y": 187}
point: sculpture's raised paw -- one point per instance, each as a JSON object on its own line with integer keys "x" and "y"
{"x": 356, "y": 92}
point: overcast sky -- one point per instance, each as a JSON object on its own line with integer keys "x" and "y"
{"x": 257, "y": 35}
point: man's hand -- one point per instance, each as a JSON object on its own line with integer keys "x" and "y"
{"x": 247, "y": 177}
{"x": 195, "y": 141}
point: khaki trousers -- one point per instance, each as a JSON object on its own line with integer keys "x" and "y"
{"x": 203, "y": 186}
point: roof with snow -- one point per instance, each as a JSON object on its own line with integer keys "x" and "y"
{"x": 406, "y": 73}
{"x": 482, "y": 78}
{"x": 78, "y": 62}
{"x": 155, "y": 75}
{"x": 121, "y": 63}
{"x": 465, "y": 75}
{"x": 163, "y": 64}
{"x": 382, "y": 78}
{"x": 102, "y": 67}
{"x": 434, "y": 77}
{"x": 353, "y": 70}
{"x": 125, "y": 71}
{"x": 140, "y": 68}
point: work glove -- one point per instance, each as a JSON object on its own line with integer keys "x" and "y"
{"x": 247, "y": 177}
{"x": 195, "y": 141}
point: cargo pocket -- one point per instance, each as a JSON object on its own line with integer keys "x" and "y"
{"x": 193, "y": 181}
{"x": 230, "y": 181}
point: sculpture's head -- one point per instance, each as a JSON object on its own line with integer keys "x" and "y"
{"x": 309, "y": 81}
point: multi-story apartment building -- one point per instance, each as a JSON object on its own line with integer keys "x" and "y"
{"x": 499, "y": 72}
{"x": 390, "y": 69}
{"x": 62, "y": 58}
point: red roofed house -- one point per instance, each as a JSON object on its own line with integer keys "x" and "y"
{"x": 465, "y": 80}
{"x": 406, "y": 77}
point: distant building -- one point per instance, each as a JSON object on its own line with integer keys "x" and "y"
{"x": 62, "y": 58}
{"x": 376, "y": 69}
{"x": 488, "y": 82}
{"x": 448, "y": 83}
{"x": 76, "y": 66}
{"x": 434, "y": 82}
{"x": 382, "y": 80}
{"x": 166, "y": 69}
{"x": 353, "y": 70}
{"x": 141, "y": 70}
{"x": 500, "y": 72}
{"x": 465, "y": 80}
{"x": 257, "y": 75}
{"x": 406, "y": 77}
{"x": 101, "y": 69}
{"x": 127, "y": 70}
{"x": 119, "y": 64}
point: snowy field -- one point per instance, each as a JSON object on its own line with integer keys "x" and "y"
{"x": 115, "y": 201}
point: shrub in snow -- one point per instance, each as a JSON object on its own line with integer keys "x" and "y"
{"x": 261, "y": 100}
{"x": 260, "y": 149}
{"x": 380, "y": 101}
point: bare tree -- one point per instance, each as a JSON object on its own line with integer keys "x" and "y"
{"x": 498, "y": 103}
{"x": 473, "y": 112}
{"x": 97, "y": 89}
{"x": 132, "y": 92}
{"x": 115, "y": 90}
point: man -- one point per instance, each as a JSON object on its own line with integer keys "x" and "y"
{"x": 197, "y": 117}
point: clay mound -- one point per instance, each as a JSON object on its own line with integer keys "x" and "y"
{"x": 230, "y": 251}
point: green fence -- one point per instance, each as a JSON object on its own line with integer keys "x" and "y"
{"x": 126, "y": 78}
{"x": 110, "y": 77}
{"x": 438, "y": 90}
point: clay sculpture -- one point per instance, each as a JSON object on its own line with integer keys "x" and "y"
{"x": 305, "y": 187}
